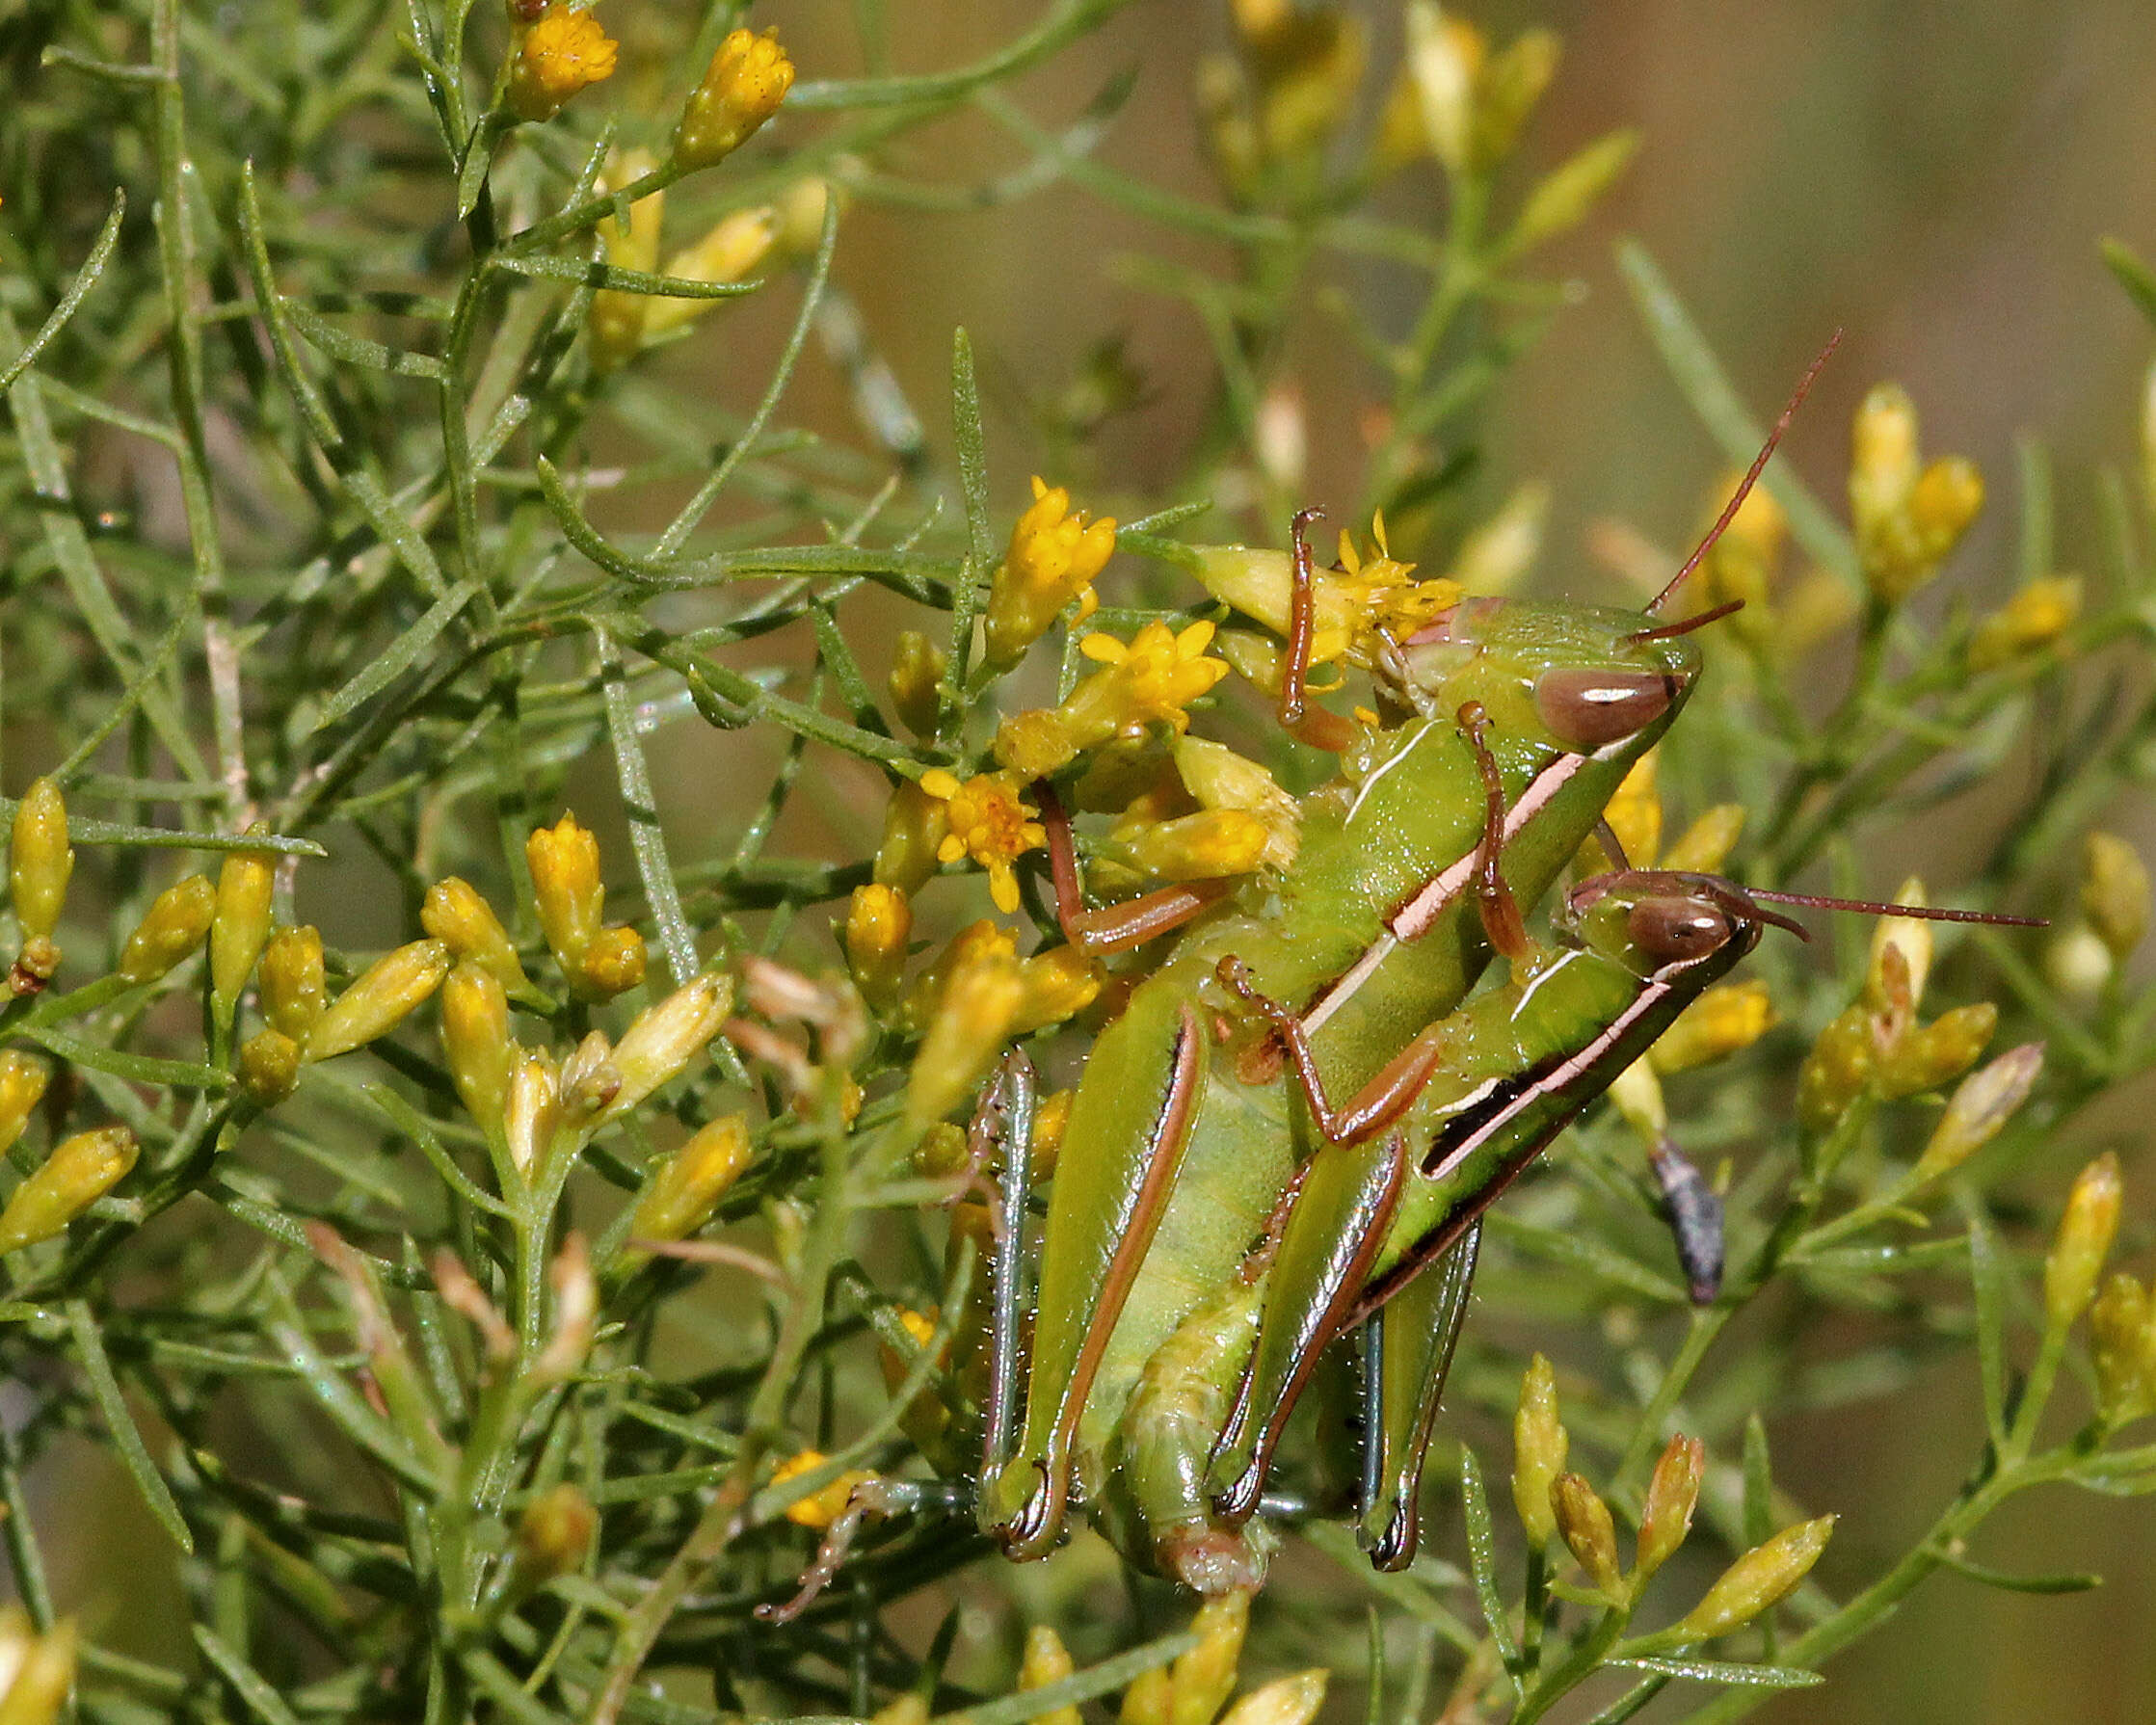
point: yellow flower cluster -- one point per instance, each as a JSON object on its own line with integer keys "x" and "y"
{"x": 985, "y": 820}
{"x": 1908, "y": 515}
{"x": 561, "y": 52}
{"x": 1052, "y": 559}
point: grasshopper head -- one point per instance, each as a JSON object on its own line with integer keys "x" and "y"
{"x": 1659, "y": 924}
{"x": 1581, "y": 678}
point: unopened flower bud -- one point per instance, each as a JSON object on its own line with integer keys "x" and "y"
{"x": 1047, "y": 1661}
{"x": 1284, "y": 1701}
{"x": 270, "y": 1063}
{"x": 241, "y": 923}
{"x": 663, "y": 1039}
{"x": 456, "y": 913}
{"x": 801, "y": 210}
{"x": 1588, "y": 1531}
{"x": 1725, "y": 1019}
{"x": 1205, "y": 1675}
{"x": 1054, "y": 554}
{"x": 916, "y": 675}
{"x": 1980, "y": 1105}
{"x": 1635, "y": 814}
{"x": 383, "y": 997}
{"x": 727, "y": 250}
{"x": 475, "y": 1041}
{"x": 1884, "y": 462}
{"x": 1760, "y": 1578}
{"x": 531, "y": 1111}
{"x": 614, "y": 322}
{"x": 1035, "y": 743}
{"x": 1444, "y": 58}
{"x": 23, "y": 1078}
{"x": 691, "y": 1182}
{"x": 2119, "y": 1346}
{"x": 613, "y": 963}
{"x": 1938, "y": 1052}
{"x": 571, "y": 899}
{"x": 553, "y": 1534}
{"x": 1058, "y": 984}
{"x": 824, "y": 1505}
{"x": 915, "y": 825}
{"x": 1637, "y": 1094}
{"x": 1538, "y": 1451}
{"x": 1672, "y": 1496}
{"x": 39, "y": 861}
{"x": 942, "y": 1152}
{"x": 1204, "y": 846}
{"x": 2031, "y": 621}
{"x": 2113, "y": 891}
{"x": 1219, "y": 777}
{"x": 1910, "y": 937}
{"x": 1561, "y": 199}
{"x": 2086, "y": 1232}
{"x": 2077, "y": 962}
{"x": 1947, "y": 498}
{"x": 879, "y": 930}
{"x": 979, "y": 1006}
{"x": 294, "y": 988}
{"x": 1836, "y": 1071}
{"x": 171, "y": 929}
{"x": 40, "y": 1669}
{"x": 908, "y": 1707}
{"x": 80, "y": 1171}
{"x": 564, "y": 51}
{"x": 742, "y": 88}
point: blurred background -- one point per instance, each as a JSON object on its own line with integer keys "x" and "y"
{"x": 1934, "y": 180}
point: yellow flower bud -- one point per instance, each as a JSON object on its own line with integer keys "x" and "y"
{"x": 40, "y": 1669}
{"x": 555, "y": 1533}
{"x": 2119, "y": 1348}
{"x": 942, "y": 1152}
{"x": 1057, "y": 985}
{"x": 562, "y": 52}
{"x": 1760, "y": 1578}
{"x": 879, "y": 930}
{"x": 915, "y": 825}
{"x": 614, "y": 322}
{"x": 456, "y": 913}
{"x": 2086, "y": 1232}
{"x": 1561, "y": 199}
{"x": 1511, "y": 82}
{"x": 475, "y": 1041}
{"x": 979, "y": 1006}
{"x": 1205, "y": 1675}
{"x": 39, "y": 861}
{"x": 1588, "y": 1531}
{"x": 294, "y": 989}
{"x": 801, "y": 209}
{"x": 1672, "y": 1494}
{"x": 1724, "y": 1020}
{"x": 1910, "y": 936}
{"x": 571, "y": 898}
{"x": 171, "y": 929}
{"x": 1052, "y": 559}
{"x": 2077, "y": 962}
{"x": 1047, "y": 1661}
{"x": 1981, "y": 1104}
{"x": 1907, "y": 517}
{"x": 80, "y": 1171}
{"x": 1204, "y": 846}
{"x": 2113, "y": 891}
{"x": 1935, "y": 1053}
{"x": 663, "y": 1039}
{"x": 1946, "y": 500}
{"x": 908, "y": 1709}
{"x": 691, "y": 1182}
{"x": 1836, "y": 1071}
{"x": 23, "y": 1078}
{"x": 270, "y": 1063}
{"x": 742, "y": 88}
{"x": 731, "y": 248}
{"x": 1637, "y": 1094}
{"x": 1444, "y": 58}
{"x": 613, "y": 963}
{"x": 821, "y": 1508}
{"x": 242, "y": 922}
{"x": 1883, "y": 467}
{"x": 1538, "y": 1451}
{"x": 2029, "y": 622}
{"x": 916, "y": 675}
{"x": 1704, "y": 846}
{"x": 1284, "y": 1701}
{"x": 382, "y": 998}
{"x": 531, "y": 1111}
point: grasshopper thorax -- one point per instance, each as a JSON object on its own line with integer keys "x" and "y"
{"x": 1580, "y": 679}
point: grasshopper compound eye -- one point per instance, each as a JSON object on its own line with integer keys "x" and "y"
{"x": 1588, "y": 708}
{"x": 1672, "y": 929}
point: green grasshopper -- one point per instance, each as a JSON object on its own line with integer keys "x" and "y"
{"x": 1182, "y": 1147}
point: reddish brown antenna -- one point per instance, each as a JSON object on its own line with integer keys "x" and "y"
{"x": 1751, "y": 475}
{"x": 1874, "y": 908}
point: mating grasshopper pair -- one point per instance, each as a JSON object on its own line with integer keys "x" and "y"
{"x": 1217, "y": 1219}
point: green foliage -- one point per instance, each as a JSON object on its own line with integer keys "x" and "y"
{"x": 482, "y": 1315}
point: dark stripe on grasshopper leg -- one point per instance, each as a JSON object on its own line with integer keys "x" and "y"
{"x": 1033, "y": 1532}
{"x": 1413, "y": 1339}
{"x": 1011, "y": 1099}
{"x": 1695, "y": 1220}
{"x": 1377, "y": 1176}
{"x": 1302, "y": 606}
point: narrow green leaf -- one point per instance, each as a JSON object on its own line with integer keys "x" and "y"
{"x": 1586, "y": 1254}
{"x": 1630, "y": 1701}
{"x": 1759, "y": 1484}
{"x": 141, "y": 1068}
{"x": 677, "y": 940}
{"x": 247, "y": 1684}
{"x": 409, "y": 1120}
{"x": 1729, "y": 1671}
{"x": 2134, "y": 275}
{"x": 168, "y": 839}
{"x": 1482, "y": 1556}
{"x": 973, "y": 483}
{"x": 86, "y": 277}
{"x": 361, "y": 350}
{"x": 126, "y": 1436}
{"x": 607, "y": 275}
{"x": 399, "y": 656}
{"x": 1988, "y": 1278}
{"x": 2066, "y": 1583}
{"x": 2036, "y": 556}
{"x": 1080, "y": 1687}
{"x": 1699, "y": 375}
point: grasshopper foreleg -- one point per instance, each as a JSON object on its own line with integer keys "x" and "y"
{"x": 1501, "y": 922}
{"x": 1117, "y": 927}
